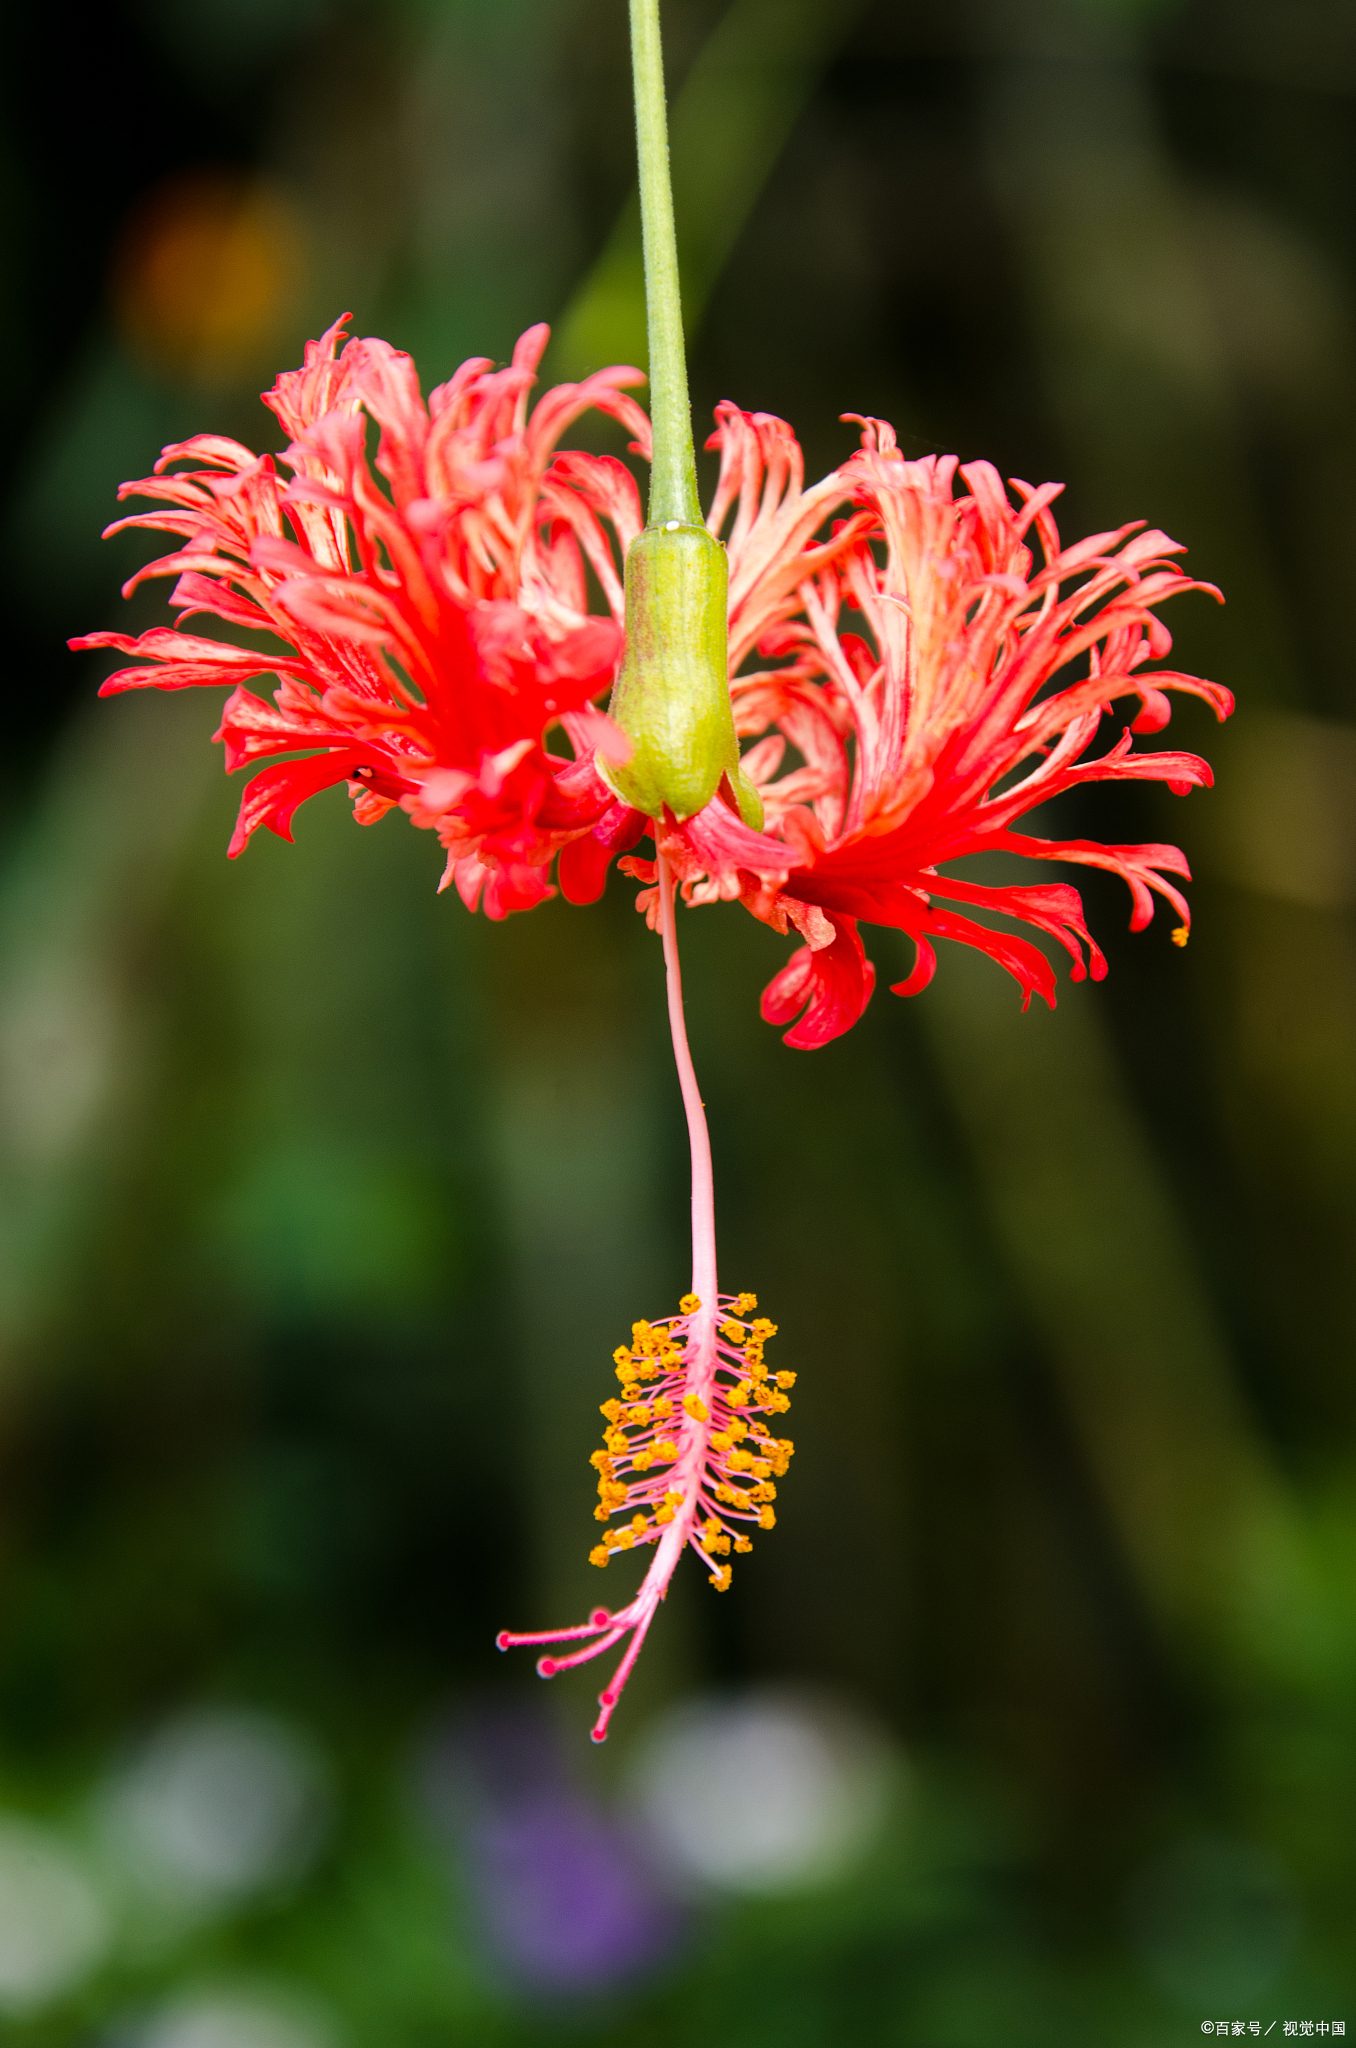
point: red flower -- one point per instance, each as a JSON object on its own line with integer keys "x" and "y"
{"x": 938, "y": 682}
{"x": 434, "y": 629}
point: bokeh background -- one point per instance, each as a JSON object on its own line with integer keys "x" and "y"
{"x": 324, "y": 1203}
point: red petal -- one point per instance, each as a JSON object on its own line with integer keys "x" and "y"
{"x": 582, "y": 869}
{"x": 832, "y": 985}
{"x": 275, "y": 793}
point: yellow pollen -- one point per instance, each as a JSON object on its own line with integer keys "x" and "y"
{"x": 663, "y": 1351}
{"x": 1181, "y": 935}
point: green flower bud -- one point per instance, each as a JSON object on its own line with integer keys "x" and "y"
{"x": 672, "y": 697}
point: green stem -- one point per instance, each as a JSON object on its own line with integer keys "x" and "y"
{"x": 673, "y": 472}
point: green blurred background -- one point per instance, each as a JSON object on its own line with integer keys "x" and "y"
{"x": 324, "y": 1203}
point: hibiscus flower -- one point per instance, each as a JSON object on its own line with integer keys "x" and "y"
{"x": 917, "y": 659}
{"x": 930, "y": 675}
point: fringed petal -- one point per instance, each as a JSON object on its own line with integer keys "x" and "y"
{"x": 1025, "y": 962}
{"x": 434, "y": 630}
{"x": 275, "y": 794}
{"x": 931, "y": 736}
{"x": 829, "y": 985}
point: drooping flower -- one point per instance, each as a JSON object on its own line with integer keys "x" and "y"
{"x": 939, "y": 681}
{"x": 433, "y": 630}
{"x": 915, "y": 680}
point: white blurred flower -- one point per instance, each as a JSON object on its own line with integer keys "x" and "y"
{"x": 767, "y": 1792}
{"x": 54, "y": 1928}
{"x": 235, "y": 2019}
{"x": 215, "y": 1806}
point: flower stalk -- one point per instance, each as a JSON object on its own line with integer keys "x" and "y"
{"x": 673, "y": 475}
{"x": 672, "y": 696}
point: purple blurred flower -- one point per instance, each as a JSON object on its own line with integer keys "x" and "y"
{"x": 566, "y": 1898}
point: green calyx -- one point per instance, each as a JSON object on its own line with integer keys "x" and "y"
{"x": 672, "y": 696}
